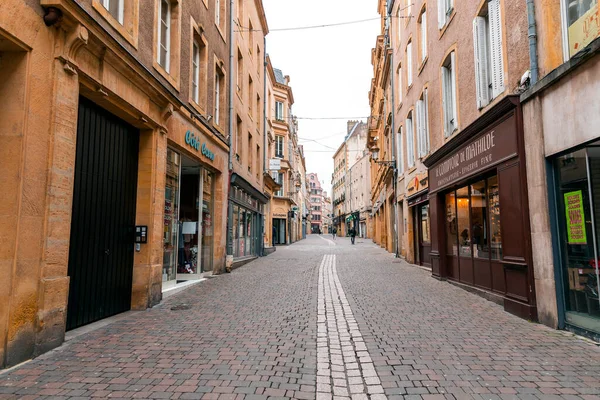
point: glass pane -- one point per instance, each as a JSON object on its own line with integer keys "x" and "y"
{"x": 243, "y": 224}
{"x": 207, "y": 221}
{"x": 495, "y": 233}
{"x": 236, "y": 231}
{"x": 113, "y": 8}
{"x": 592, "y": 288}
{"x": 425, "y": 229}
{"x": 464, "y": 235}
{"x": 171, "y": 232}
{"x": 451, "y": 225}
{"x": 582, "y": 18}
{"x": 479, "y": 220}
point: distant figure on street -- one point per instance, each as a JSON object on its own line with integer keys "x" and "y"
{"x": 352, "y": 235}
{"x": 334, "y": 232}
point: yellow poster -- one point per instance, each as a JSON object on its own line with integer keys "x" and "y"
{"x": 584, "y": 30}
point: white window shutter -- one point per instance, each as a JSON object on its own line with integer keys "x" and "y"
{"x": 481, "y": 63}
{"x": 423, "y": 35}
{"x": 441, "y": 13}
{"x": 426, "y": 122}
{"x": 444, "y": 74}
{"x": 419, "y": 109}
{"x": 497, "y": 60}
{"x": 409, "y": 62}
{"x": 399, "y": 158}
{"x": 453, "y": 91}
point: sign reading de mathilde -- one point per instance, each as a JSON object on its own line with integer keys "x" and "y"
{"x": 492, "y": 147}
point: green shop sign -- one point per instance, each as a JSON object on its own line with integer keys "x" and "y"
{"x": 575, "y": 218}
{"x": 194, "y": 142}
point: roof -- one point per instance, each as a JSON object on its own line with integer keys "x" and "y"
{"x": 279, "y": 76}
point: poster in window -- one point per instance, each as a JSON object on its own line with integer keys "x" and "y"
{"x": 586, "y": 28}
{"x": 575, "y": 218}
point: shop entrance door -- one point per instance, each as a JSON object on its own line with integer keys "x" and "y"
{"x": 103, "y": 220}
{"x": 424, "y": 238}
{"x": 280, "y": 231}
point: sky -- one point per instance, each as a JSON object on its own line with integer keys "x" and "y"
{"x": 330, "y": 69}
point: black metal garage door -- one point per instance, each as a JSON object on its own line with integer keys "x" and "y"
{"x": 104, "y": 198}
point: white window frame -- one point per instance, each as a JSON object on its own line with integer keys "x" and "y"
{"x": 195, "y": 71}
{"x": 399, "y": 75}
{"x": 496, "y": 50}
{"x": 423, "y": 38}
{"x": 400, "y": 156}
{"x": 449, "y": 96}
{"x": 410, "y": 140}
{"x": 423, "y": 124}
{"x": 217, "y": 98}
{"x": 279, "y": 110}
{"x": 120, "y": 9}
{"x": 482, "y": 55}
{"x": 409, "y": 77}
{"x": 279, "y": 146}
{"x": 218, "y": 12}
{"x": 281, "y": 181}
{"x": 399, "y": 26}
{"x": 167, "y": 24}
{"x": 445, "y": 8}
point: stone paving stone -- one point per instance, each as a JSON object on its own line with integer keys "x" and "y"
{"x": 253, "y": 335}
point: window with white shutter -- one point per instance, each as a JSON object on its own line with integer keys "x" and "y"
{"x": 399, "y": 79}
{"x": 422, "y": 125}
{"x": 423, "y": 35}
{"x": 400, "y": 156}
{"x": 449, "y": 95}
{"x": 115, "y": 8}
{"x": 410, "y": 141}
{"x": 399, "y": 25}
{"x": 482, "y": 76}
{"x": 279, "y": 111}
{"x": 164, "y": 35}
{"x": 279, "y": 143}
{"x": 497, "y": 60}
{"x": 409, "y": 64}
{"x": 445, "y": 8}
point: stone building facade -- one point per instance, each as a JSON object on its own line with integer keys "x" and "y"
{"x": 92, "y": 88}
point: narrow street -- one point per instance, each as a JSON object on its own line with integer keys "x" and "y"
{"x": 317, "y": 319}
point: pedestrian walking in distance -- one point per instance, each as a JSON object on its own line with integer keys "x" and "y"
{"x": 334, "y": 232}
{"x": 352, "y": 235}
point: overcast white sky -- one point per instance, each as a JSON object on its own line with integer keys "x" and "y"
{"x": 330, "y": 69}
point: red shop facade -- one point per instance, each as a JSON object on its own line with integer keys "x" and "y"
{"x": 480, "y": 234}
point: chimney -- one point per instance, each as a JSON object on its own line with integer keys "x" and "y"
{"x": 287, "y": 80}
{"x": 351, "y": 125}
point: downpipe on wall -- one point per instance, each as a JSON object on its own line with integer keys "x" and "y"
{"x": 532, "y": 35}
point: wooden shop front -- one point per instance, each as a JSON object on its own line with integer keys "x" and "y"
{"x": 480, "y": 235}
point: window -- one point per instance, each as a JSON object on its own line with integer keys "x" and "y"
{"x": 199, "y": 72}
{"x": 445, "y": 8}
{"x": 449, "y": 95}
{"x": 195, "y": 70}
{"x": 258, "y": 117}
{"x": 258, "y": 59}
{"x": 279, "y": 111}
{"x": 250, "y": 36}
{"x": 238, "y": 133}
{"x": 240, "y": 73}
{"x": 240, "y": 10}
{"x": 279, "y": 143}
{"x": 400, "y": 156}
{"x": 280, "y": 180}
{"x": 257, "y": 160}
{"x": 409, "y": 80}
{"x": 164, "y": 35}
{"x": 250, "y": 93}
{"x": 489, "y": 62}
{"x": 219, "y": 95}
{"x": 399, "y": 79}
{"x": 423, "y": 35}
{"x": 115, "y": 8}
{"x": 250, "y": 161}
{"x": 423, "y": 124}
{"x": 220, "y": 14}
{"x": 410, "y": 141}
{"x": 580, "y": 21}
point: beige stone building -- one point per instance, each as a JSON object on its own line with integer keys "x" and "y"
{"x": 286, "y": 205}
{"x": 338, "y": 187}
{"x": 114, "y": 152}
{"x": 247, "y": 200}
{"x": 450, "y": 135}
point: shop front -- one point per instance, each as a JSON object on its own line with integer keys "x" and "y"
{"x": 279, "y": 228}
{"x": 192, "y": 173}
{"x": 577, "y": 196}
{"x": 246, "y": 211}
{"x": 419, "y": 206}
{"x": 478, "y": 210}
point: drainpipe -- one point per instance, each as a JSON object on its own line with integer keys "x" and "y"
{"x": 231, "y": 89}
{"x": 532, "y": 35}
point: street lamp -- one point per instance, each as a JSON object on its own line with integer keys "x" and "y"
{"x": 375, "y": 157}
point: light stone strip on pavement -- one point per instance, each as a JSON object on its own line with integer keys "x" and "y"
{"x": 344, "y": 368}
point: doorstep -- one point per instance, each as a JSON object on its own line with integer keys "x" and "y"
{"x": 166, "y": 293}
{"x": 240, "y": 261}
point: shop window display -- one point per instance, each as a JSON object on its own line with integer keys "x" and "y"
{"x": 578, "y": 197}
{"x": 462, "y": 213}
{"x": 171, "y": 225}
{"x": 451, "y": 225}
{"x": 479, "y": 220}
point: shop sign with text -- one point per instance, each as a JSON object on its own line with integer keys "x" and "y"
{"x": 486, "y": 150}
{"x": 575, "y": 218}
{"x": 194, "y": 142}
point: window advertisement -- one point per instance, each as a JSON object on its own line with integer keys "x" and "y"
{"x": 583, "y": 23}
{"x": 577, "y": 177}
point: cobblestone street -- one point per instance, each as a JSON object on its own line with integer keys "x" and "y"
{"x": 318, "y": 319}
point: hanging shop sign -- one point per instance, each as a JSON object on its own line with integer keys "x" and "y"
{"x": 274, "y": 164}
{"x": 575, "y": 218}
{"x": 485, "y": 150}
{"x": 194, "y": 142}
